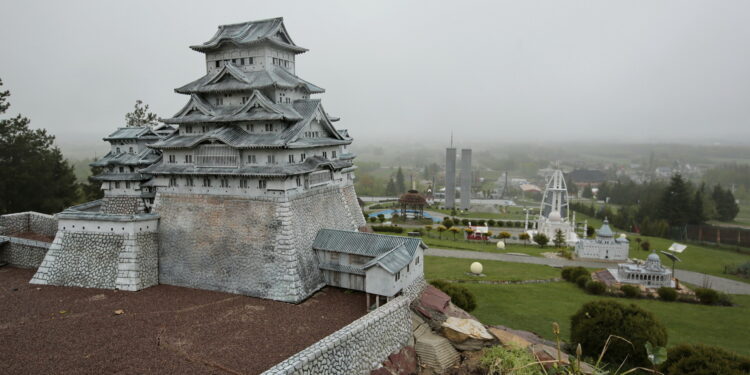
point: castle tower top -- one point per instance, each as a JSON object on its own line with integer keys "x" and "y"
{"x": 269, "y": 31}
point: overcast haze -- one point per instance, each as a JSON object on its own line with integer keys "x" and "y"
{"x": 634, "y": 71}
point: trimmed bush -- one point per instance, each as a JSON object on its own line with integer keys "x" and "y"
{"x": 448, "y": 222}
{"x": 460, "y": 296}
{"x": 707, "y": 296}
{"x": 631, "y": 291}
{"x": 592, "y": 325}
{"x": 574, "y": 273}
{"x": 388, "y": 228}
{"x": 595, "y": 287}
{"x": 582, "y": 280}
{"x": 697, "y": 359}
{"x": 667, "y": 294}
{"x": 491, "y": 222}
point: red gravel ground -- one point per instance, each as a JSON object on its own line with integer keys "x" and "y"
{"x": 164, "y": 329}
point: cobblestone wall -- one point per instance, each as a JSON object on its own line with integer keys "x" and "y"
{"x": 138, "y": 266}
{"x": 23, "y": 253}
{"x": 357, "y": 348}
{"x": 28, "y": 222}
{"x": 122, "y": 205}
{"x": 257, "y": 247}
{"x": 83, "y": 259}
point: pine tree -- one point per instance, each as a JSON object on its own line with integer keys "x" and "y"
{"x": 674, "y": 206}
{"x": 587, "y": 192}
{"x": 92, "y": 190}
{"x": 390, "y": 188}
{"x": 140, "y": 116}
{"x": 559, "y": 239}
{"x": 400, "y": 182}
{"x": 726, "y": 206}
{"x": 33, "y": 174}
{"x": 697, "y": 213}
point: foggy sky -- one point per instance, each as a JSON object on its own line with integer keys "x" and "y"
{"x": 630, "y": 71}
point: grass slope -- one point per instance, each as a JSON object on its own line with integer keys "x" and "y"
{"x": 534, "y": 307}
{"x": 456, "y": 269}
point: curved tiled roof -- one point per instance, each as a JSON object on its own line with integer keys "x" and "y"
{"x": 257, "y": 108}
{"x": 230, "y": 78}
{"x": 145, "y": 157}
{"x": 253, "y": 32}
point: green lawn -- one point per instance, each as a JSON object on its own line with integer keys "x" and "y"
{"x": 456, "y": 269}
{"x": 447, "y": 242}
{"x": 533, "y": 307}
{"x": 509, "y": 213}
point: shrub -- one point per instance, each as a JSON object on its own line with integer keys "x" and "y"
{"x": 582, "y": 280}
{"x": 725, "y": 300}
{"x": 373, "y": 219}
{"x": 447, "y": 222}
{"x": 481, "y": 223}
{"x": 460, "y": 296}
{"x": 572, "y": 273}
{"x": 592, "y": 325}
{"x": 595, "y": 287}
{"x": 667, "y": 294}
{"x": 631, "y": 291}
{"x": 742, "y": 270}
{"x": 541, "y": 239}
{"x": 707, "y": 296}
{"x": 465, "y": 221}
{"x": 509, "y": 360}
{"x": 500, "y": 223}
{"x": 697, "y": 359}
{"x": 491, "y": 222}
{"x": 388, "y": 228}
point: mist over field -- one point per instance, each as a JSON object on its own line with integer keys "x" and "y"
{"x": 398, "y": 72}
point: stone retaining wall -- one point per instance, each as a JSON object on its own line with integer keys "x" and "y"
{"x": 22, "y": 253}
{"x": 122, "y": 205}
{"x": 28, "y": 222}
{"x": 261, "y": 247}
{"x": 122, "y": 261}
{"x": 357, "y": 348}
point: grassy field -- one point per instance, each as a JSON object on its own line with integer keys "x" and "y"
{"x": 507, "y": 213}
{"x": 534, "y": 307}
{"x": 456, "y": 269}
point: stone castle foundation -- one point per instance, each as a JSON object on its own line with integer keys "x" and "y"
{"x": 260, "y": 247}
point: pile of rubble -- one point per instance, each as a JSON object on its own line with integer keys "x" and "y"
{"x": 448, "y": 340}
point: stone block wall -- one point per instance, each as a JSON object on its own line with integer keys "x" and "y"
{"x": 28, "y": 222}
{"x": 122, "y": 205}
{"x": 100, "y": 260}
{"x": 357, "y": 348}
{"x": 22, "y": 253}
{"x": 260, "y": 247}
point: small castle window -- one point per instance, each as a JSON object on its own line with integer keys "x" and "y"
{"x": 269, "y": 127}
{"x": 302, "y": 156}
{"x": 131, "y": 150}
{"x": 122, "y": 169}
{"x": 245, "y": 99}
{"x": 243, "y": 183}
{"x": 117, "y": 184}
{"x": 333, "y": 154}
{"x": 207, "y": 182}
{"x": 291, "y": 159}
{"x": 127, "y": 184}
{"x": 218, "y": 63}
{"x": 299, "y": 181}
{"x": 188, "y": 181}
{"x": 224, "y": 182}
{"x": 262, "y": 184}
{"x": 251, "y": 159}
{"x": 189, "y": 158}
{"x": 117, "y": 150}
{"x": 271, "y": 159}
{"x": 325, "y": 155}
{"x": 173, "y": 181}
{"x": 172, "y": 159}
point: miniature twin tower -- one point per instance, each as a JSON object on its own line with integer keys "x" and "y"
{"x": 230, "y": 193}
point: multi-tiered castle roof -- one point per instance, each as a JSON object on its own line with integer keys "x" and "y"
{"x": 250, "y": 115}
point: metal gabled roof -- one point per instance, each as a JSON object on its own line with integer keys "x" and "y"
{"x": 360, "y": 243}
{"x": 273, "y": 76}
{"x": 392, "y": 261}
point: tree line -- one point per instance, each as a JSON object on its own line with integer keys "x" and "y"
{"x": 655, "y": 207}
{"x": 34, "y": 175}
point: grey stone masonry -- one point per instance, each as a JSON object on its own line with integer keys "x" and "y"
{"x": 28, "y": 222}
{"x": 22, "y": 253}
{"x": 122, "y": 205}
{"x": 123, "y": 261}
{"x": 357, "y": 348}
{"x": 259, "y": 246}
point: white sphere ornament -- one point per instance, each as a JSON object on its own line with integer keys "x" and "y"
{"x": 501, "y": 245}
{"x": 476, "y": 268}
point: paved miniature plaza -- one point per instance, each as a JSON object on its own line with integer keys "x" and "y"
{"x": 163, "y": 329}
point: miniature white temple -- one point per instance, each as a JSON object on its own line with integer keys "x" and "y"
{"x": 651, "y": 274}
{"x": 554, "y": 212}
{"x": 605, "y": 246}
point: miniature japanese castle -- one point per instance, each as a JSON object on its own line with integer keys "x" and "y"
{"x": 231, "y": 192}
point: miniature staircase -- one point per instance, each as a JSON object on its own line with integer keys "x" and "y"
{"x": 433, "y": 350}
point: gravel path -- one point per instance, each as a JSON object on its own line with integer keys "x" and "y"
{"x": 718, "y": 283}
{"x": 163, "y": 329}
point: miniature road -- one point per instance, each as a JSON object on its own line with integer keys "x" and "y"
{"x": 695, "y": 278}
